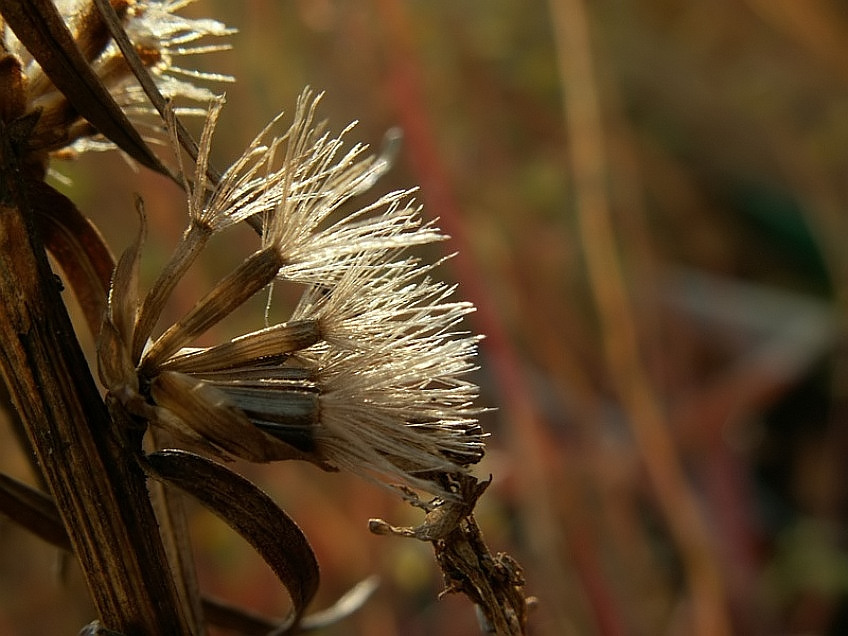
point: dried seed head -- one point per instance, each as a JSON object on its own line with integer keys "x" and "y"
{"x": 369, "y": 374}
{"x": 160, "y": 36}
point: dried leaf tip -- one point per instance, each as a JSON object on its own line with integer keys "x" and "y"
{"x": 369, "y": 373}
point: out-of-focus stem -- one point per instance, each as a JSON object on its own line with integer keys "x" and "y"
{"x": 676, "y": 498}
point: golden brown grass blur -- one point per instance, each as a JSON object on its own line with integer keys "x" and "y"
{"x": 650, "y": 205}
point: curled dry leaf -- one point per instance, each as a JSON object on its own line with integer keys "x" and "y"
{"x": 115, "y": 366}
{"x": 36, "y": 512}
{"x": 249, "y": 624}
{"x": 252, "y": 514}
{"x": 347, "y": 604}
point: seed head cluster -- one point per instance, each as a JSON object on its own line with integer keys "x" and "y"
{"x": 369, "y": 374}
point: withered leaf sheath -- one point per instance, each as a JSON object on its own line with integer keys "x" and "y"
{"x": 369, "y": 374}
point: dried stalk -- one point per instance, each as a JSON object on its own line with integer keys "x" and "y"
{"x": 91, "y": 472}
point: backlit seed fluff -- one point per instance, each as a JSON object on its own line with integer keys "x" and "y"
{"x": 370, "y": 372}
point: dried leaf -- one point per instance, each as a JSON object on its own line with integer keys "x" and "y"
{"x": 347, "y": 604}
{"x": 123, "y": 294}
{"x": 236, "y": 619}
{"x": 36, "y": 512}
{"x": 33, "y": 510}
{"x": 252, "y": 514}
{"x": 115, "y": 367}
{"x": 76, "y": 244}
{"x": 250, "y": 624}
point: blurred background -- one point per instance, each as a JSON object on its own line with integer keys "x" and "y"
{"x": 650, "y": 205}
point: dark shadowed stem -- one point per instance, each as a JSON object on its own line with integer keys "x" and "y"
{"x": 10, "y": 414}
{"x": 89, "y": 467}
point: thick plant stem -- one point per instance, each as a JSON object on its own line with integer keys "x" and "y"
{"x": 90, "y": 469}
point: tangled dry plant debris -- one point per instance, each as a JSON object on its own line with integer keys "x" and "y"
{"x": 494, "y": 583}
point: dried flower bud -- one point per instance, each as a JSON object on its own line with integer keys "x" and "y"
{"x": 369, "y": 373}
